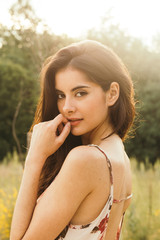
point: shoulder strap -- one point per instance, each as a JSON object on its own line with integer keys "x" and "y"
{"x": 109, "y": 166}
{"x": 123, "y": 199}
{"x": 111, "y": 174}
{"x": 120, "y": 227}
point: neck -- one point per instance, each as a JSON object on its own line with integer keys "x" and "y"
{"x": 96, "y": 135}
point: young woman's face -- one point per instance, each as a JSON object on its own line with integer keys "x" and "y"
{"x": 81, "y": 101}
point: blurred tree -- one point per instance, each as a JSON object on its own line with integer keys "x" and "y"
{"x": 23, "y": 49}
{"x": 147, "y": 83}
{"x": 28, "y": 42}
{"x": 16, "y": 87}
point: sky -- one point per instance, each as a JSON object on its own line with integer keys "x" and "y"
{"x": 138, "y": 18}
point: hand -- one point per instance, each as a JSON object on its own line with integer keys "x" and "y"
{"x": 45, "y": 141}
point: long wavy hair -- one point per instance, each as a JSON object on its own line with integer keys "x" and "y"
{"x": 103, "y": 67}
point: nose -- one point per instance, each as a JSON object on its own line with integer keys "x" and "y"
{"x": 69, "y": 106}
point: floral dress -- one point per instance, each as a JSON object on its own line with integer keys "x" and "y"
{"x": 96, "y": 229}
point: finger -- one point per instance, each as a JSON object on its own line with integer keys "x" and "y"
{"x": 60, "y": 128}
{"x": 65, "y": 132}
{"x": 59, "y": 119}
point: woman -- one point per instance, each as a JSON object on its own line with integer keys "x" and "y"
{"x": 76, "y": 164}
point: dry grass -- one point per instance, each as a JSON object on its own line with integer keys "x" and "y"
{"x": 142, "y": 220}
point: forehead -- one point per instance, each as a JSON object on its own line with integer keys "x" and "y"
{"x": 71, "y": 77}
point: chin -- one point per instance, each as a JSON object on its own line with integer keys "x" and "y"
{"x": 79, "y": 132}
{"x": 76, "y": 133}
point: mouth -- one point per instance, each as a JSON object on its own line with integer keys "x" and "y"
{"x": 75, "y": 121}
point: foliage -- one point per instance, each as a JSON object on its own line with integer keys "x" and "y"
{"x": 143, "y": 216}
{"x": 147, "y": 83}
{"x": 15, "y": 84}
{"x": 21, "y": 55}
{"x": 11, "y": 171}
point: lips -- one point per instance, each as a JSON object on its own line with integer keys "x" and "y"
{"x": 75, "y": 121}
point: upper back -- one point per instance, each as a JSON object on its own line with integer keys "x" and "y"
{"x": 93, "y": 205}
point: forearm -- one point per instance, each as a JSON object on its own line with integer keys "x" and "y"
{"x": 26, "y": 200}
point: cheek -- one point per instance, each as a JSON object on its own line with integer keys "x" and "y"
{"x": 60, "y": 107}
{"x": 97, "y": 105}
{"x": 95, "y": 109}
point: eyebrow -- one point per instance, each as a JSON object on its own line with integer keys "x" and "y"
{"x": 75, "y": 88}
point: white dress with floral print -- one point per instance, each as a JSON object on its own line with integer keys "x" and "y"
{"x": 96, "y": 229}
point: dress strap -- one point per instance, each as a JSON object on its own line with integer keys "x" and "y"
{"x": 120, "y": 227}
{"x": 111, "y": 174}
{"x": 123, "y": 199}
{"x": 109, "y": 165}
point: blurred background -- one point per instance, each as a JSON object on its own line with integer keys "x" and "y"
{"x": 30, "y": 31}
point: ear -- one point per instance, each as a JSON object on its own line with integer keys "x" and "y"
{"x": 112, "y": 94}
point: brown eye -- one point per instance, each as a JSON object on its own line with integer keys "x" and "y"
{"x": 60, "y": 96}
{"x": 80, "y": 94}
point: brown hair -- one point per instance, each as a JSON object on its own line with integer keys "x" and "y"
{"x": 103, "y": 67}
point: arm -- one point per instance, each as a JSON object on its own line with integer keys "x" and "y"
{"x": 26, "y": 201}
{"x": 63, "y": 197}
{"x": 44, "y": 142}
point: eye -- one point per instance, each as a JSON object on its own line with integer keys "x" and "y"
{"x": 60, "y": 95}
{"x": 80, "y": 94}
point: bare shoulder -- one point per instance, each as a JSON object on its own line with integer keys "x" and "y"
{"x": 83, "y": 155}
{"x": 84, "y": 162}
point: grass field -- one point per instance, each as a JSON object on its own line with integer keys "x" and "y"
{"x": 142, "y": 220}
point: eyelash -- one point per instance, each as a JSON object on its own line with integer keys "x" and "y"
{"x": 81, "y": 93}
{"x": 63, "y": 96}
{"x": 59, "y": 95}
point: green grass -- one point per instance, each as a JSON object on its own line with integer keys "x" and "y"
{"x": 142, "y": 219}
